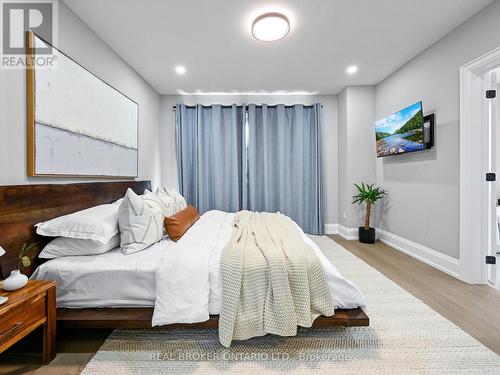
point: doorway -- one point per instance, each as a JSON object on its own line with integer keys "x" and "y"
{"x": 479, "y": 233}
{"x": 491, "y": 114}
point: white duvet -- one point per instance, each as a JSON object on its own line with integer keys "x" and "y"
{"x": 188, "y": 277}
{"x": 182, "y": 280}
{"x": 107, "y": 280}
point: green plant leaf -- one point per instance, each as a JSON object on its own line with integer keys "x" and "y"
{"x": 368, "y": 193}
{"x": 23, "y": 258}
{"x": 26, "y": 261}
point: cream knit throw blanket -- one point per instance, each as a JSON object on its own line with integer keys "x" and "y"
{"x": 272, "y": 281}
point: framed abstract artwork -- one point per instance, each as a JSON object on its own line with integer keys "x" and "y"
{"x": 78, "y": 125}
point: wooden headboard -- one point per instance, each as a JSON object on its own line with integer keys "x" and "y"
{"x": 23, "y": 206}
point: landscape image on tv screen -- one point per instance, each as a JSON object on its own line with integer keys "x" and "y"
{"x": 401, "y": 132}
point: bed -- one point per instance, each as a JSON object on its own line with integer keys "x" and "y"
{"x": 98, "y": 280}
{"x": 113, "y": 290}
{"x": 94, "y": 281}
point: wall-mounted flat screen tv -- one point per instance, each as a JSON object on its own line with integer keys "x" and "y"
{"x": 401, "y": 132}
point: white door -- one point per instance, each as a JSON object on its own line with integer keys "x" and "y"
{"x": 492, "y": 232}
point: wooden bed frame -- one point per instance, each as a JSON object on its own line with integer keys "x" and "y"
{"x": 23, "y": 206}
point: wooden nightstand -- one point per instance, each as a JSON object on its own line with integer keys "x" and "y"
{"x": 27, "y": 309}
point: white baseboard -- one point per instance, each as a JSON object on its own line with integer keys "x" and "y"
{"x": 331, "y": 228}
{"x": 424, "y": 254}
{"x": 345, "y": 232}
{"x": 348, "y": 233}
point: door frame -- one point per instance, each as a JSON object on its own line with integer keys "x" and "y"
{"x": 472, "y": 235}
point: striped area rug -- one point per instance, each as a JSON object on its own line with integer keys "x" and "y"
{"x": 405, "y": 337}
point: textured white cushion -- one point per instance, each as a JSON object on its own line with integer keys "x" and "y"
{"x": 62, "y": 247}
{"x": 179, "y": 201}
{"x": 140, "y": 221}
{"x": 99, "y": 223}
{"x": 164, "y": 201}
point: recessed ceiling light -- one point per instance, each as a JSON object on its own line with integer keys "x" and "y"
{"x": 352, "y": 69}
{"x": 179, "y": 69}
{"x": 269, "y": 27}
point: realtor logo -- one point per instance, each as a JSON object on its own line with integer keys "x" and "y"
{"x": 17, "y": 18}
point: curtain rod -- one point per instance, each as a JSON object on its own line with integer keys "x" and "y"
{"x": 239, "y": 106}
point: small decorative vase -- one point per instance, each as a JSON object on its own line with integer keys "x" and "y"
{"x": 15, "y": 281}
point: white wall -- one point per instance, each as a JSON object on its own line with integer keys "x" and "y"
{"x": 424, "y": 186}
{"x": 85, "y": 47}
{"x": 356, "y": 149}
{"x": 343, "y": 189}
{"x": 330, "y": 136}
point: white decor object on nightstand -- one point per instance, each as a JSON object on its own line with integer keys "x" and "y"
{"x": 15, "y": 281}
{"x": 2, "y": 298}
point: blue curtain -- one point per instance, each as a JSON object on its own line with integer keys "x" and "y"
{"x": 283, "y": 163}
{"x": 209, "y": 156}
{"x": 273, "y": 165}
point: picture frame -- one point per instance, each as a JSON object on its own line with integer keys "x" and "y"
{"x": 77, "y": 124}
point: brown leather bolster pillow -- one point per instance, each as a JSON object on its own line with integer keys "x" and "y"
{"x": 179, "y": 223}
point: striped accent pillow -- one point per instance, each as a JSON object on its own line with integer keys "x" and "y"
{"x": 140, "y": 222}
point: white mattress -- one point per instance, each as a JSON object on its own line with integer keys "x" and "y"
{"x": 106, "y": 280}
{"x": 117, "y": 280}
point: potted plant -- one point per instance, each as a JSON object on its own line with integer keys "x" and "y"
{"x": 368, "y": 194}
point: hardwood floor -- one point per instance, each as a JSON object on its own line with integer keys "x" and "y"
{"x": 474, "y": 308}
{"x": 74, "y": 349}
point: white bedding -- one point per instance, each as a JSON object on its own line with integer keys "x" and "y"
{"x": 107, "y": 280}
{"x": 184, "y": 277}
{"x": 189, "y": 282}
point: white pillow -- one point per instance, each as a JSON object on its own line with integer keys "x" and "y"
{"x": 165, "y": 202}
{"x": 179, "y": 201}
{"x": 99, "y": 223}
{"x": 62, "y": 247}
{"x": 140, "y": 222}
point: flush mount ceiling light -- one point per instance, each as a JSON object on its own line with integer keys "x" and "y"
{"x": 179, "y": 69}
{"x": 352, "y": 69}
{"x": 270, "y": 27}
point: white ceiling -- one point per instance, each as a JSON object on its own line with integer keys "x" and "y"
{"x": 212, "y": 39}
